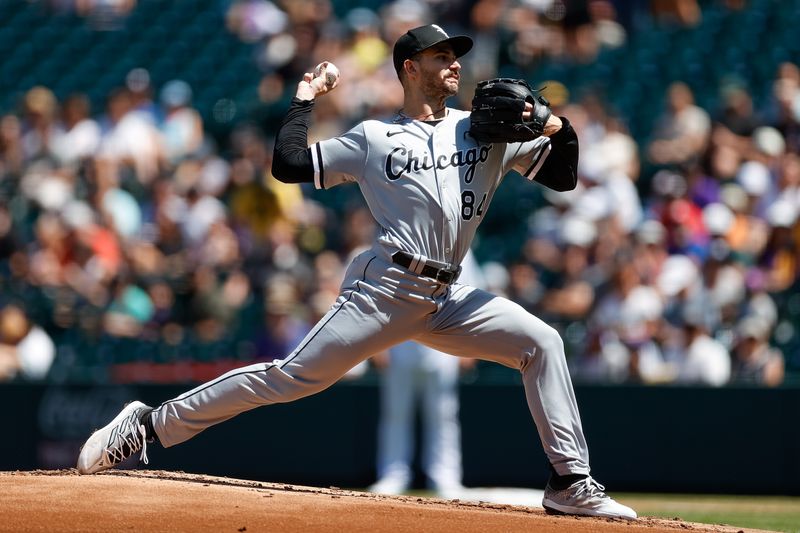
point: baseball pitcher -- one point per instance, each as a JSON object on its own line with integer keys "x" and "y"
{"x": 428, "y": 176}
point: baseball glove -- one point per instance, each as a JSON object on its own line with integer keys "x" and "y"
{"x": 497, "y": 111}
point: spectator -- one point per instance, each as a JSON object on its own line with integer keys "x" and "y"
{"x": 779, "y": 259}
{"x": 81, "y": 132}
{"x": 130, "y": 139}
{"x": 704, "y": 361}
{"x": 202, "y": 212}
{"x": 627, "y": 348}
{"x": 784, "y": 111}
{"x": 682, "y": 132}
{"x": 768, "y": 146}
{"x": 129, "y": 311}
{"x": 639, "y": 327}
{"x": 256, "y": 199}
{"x": 285, "y": 325}
{"x": 572, "y": 295}
{"x": 614, "y": 152}
{"x": 524, "y": 286}
{"x": 755, "y": 179}
{"x": 216, "y": 302}
{"x": 140, "y": 86}
{"x": 788, "y": 186}
{"x": 625, "y": 277}
{"x": 680, "y": 216}
{"x": 736, "y": 120}
{"x": 164, "y": 321}
{"x": 11, "y": 152}
{"x": 40, "y": 128}
{"x": 755, "y": 361}
{"x": 683, "y": 292}
{"x": 181, "y": 127}
{"x": 26, "y": 350}
{"x": 649, "y": 250}
{"x": 747, "y": 234}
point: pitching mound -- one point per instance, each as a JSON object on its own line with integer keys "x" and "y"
{"x": 150, "y": 500}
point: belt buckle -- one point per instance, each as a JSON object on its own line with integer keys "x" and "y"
{"x": 445, "y": 276}
{"x": 448, "y": 276}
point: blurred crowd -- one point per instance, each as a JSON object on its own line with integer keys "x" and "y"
{"x": 131, "y": 242}
{"x": 682, "y": 284}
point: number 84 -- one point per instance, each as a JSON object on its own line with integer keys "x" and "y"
{"x": 468, "y": 209}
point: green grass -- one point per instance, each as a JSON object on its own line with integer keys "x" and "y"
{"x": 770, "y": 513}
{"x": 758, "y": 512}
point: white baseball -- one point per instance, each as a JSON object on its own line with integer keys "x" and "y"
{"x": 330, "y": 71}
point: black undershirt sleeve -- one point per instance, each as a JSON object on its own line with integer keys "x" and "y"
{"x": 291, "y": 160}
{"x": 560, "y": 170}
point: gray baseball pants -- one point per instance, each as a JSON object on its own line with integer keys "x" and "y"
{"x": 381, "y": 305}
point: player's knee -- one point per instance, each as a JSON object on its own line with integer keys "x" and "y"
{"x": 549, "y": 341}
{"x": 546, "y": 345}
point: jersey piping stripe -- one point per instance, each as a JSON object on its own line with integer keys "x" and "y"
{"x": 321, "y": 167}
{"x": 319, "y": 173}
{"x": 539, "y": 161}
{"x": 270, "y": 366}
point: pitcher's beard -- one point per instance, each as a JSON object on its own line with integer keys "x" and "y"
{"x": 437, "y": 90}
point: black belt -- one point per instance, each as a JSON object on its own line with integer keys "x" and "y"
{"x": 429, "y": 268}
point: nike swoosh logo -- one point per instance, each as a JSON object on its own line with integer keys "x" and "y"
{"x": 390, "y": 133}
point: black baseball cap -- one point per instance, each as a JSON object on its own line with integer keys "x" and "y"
{"x": 418, "y": 39}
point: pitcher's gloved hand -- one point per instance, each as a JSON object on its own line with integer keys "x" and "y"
{"x": 497, "y": 111}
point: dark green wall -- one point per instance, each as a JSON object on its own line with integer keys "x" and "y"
{"x": 732, "y": 440}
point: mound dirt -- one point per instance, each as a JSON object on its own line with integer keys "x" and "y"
{"x": 152, "y": 500}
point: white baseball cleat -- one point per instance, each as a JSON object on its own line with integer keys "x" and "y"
{"x": 585, "y": 497}
{"x": 390, "y": 484}
{"x": 121, "y": 438}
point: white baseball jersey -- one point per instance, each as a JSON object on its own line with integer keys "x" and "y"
{"x": 428, "y": 185}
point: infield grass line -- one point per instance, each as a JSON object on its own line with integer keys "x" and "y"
{"x": 771, "y": 513}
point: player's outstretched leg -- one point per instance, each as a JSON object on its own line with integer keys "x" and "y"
{"x": 474, "y": 323}
{"x": 124, "y": 436}
{"x": 353, "y": 328}
{"x": 583, "y": 497}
